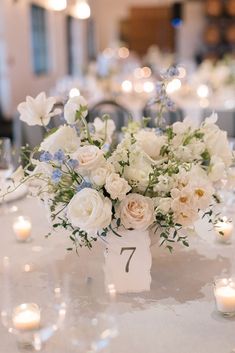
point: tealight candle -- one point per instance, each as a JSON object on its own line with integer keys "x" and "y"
{"x": 224, "y": 230}
{"x": 22, "y": 228}
{"x": 26, "y": 317}
{"x": 225, "y": 296}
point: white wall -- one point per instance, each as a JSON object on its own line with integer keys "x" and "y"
{"x": 18, "y": 79}
{"x": 108, "y": 14}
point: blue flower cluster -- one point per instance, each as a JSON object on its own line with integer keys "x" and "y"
{"x": 170, "y": 73}
{"x": 56, "y": 176}
{"x": 85, "y": 184}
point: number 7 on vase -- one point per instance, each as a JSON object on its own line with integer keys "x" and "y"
{"x": 128, "y": 261}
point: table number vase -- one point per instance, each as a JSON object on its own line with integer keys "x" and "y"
{"x": 128, "y": 261}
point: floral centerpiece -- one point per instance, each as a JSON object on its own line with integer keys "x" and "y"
{"x": 159, "y": 180}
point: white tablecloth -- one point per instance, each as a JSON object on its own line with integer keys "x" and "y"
{"x": 177, "y": 316}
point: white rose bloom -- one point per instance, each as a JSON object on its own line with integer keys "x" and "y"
{"x": 136, "y": 212}
{"x": 90, "y": 211}
{"x": 217, "y": 169}
{"x": 98, "y": 176}
{"x": 65, "y": 138}
{"x": 74, "y": 105}
{"x": 150, "y": 143}
{"x": 104, "y": 129}
{"x": 117, "y": 187}
{"x": 37, "y": 111}
{"x": 89, "y": 157}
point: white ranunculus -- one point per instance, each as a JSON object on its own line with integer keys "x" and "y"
{"x": 104, "y": 129}
{"x": 117, "y": 187}
{"x": 90, "y": 211}
{"x": 98, "y": 176}
{"x": 89, "y": 158}
{"x": 75, "y": 106}
{"x": 65, "y": 138}
{"x": 202, "y": 193}
{"x": 151, "y": 143}
{"x": 37, "y": 111}
{"x": 136, "y": 212}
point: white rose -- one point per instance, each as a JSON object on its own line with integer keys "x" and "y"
{"x": 89, "y": 157}
{"x": 65, "y": 138}
{"x": 90, "y": 211}
{"x": 151, "y": 143}
{"x": 116, "y": 186}
{"x": 136, "y": 212}
{"x": 75, "y": 105}
{"x": 104, "y": 129}
{"x": 37, "y": 111}
{"x": 98, "y": 176}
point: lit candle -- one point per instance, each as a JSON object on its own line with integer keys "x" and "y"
{"x": 26, "y": 317}
{"x": 224, "y": 230}
{"x": 22, "y": 228}
{"x": 225, "y": 296}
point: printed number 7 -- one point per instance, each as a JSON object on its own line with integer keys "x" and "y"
{"x": 132, "y": 253}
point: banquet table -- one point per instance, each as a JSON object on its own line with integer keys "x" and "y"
{"x": 178, "y": 315}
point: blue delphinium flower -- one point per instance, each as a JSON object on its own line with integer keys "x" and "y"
{"x": 91, "y": 128}
{"x": 45, "y": 157}
{"x": 85, "y": 184}
{"x": 73, "y": 163}
{"x": 170, "y": 104}
{"x": 59, "y": 156}
{"x": 56, "y": 175}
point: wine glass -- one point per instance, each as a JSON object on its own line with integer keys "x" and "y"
{"x": 6, "y": 169}
{"x": 92, "y": 323}
{"x": 33, "y": 305}
{"x": 6, "y": 163}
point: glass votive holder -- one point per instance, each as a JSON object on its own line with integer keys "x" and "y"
{"x": 224, "y": 291}
{"x": 224, "y": 230}
{"x": 22, "y": 228}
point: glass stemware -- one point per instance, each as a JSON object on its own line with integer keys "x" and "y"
{"x": 33, "y": 307}
{"x": 6, "y": 163}
{"x": 6, "y": 169}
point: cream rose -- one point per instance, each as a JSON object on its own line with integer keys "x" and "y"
{"x": 136, "y": 211}
{"x": 75, "y": 105}
{"x": 116, "y": 186}
{"x": 65, "y": 138}
{"x": 89, "y": 157}
{"x": 90, "y": 211}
